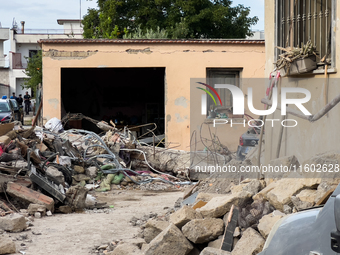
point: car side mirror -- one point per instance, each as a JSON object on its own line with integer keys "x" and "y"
{"x": 335, "y": 235}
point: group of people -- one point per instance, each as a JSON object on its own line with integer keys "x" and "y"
{"x": 20, "y": 100}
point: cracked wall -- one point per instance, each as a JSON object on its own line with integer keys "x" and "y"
{"x": 181, "y": 61}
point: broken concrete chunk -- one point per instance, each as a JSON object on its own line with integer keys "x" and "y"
{"x": 203, "y": 230}
{"x": 251, "y": 214}
{"x": 91, "y": 171}
{"x": 291, "y": 162}
{"x": 144, "y": 247}
{"x": 153, "y": 228}
{"x": 324, "y": 159}
{"x": 126, "y": 249}
{"x": 55, "y": 175}
{"x": 7, "y": 246}
{"x": 79, "y": 169}
{"x": 33, "y": 208}
{"x": 29, "y": 195}
{"x": 237, "y": 188}
{"x": 266, "y": 224}
{"x": 300, "y": 205}
{"x": 307, "y": 195}
{"x": 263, "y": 193}
{"x": 13, "y": 223}
{"x": 65, "y": 209}
{"x": 253, "y": 186}
{"x": 37, "y": 215}
{"x": 284, "y": 189}
{"x": 214, "y": 251}
{"x": 206, "y": 197}
{"x": 287, "y": 209}
{"x": 236, "y": 239}
{"x": 237, "y": 232}
{"x": 216, "y": 243}
{"x": 219, "y": 206}
{"x": 184, "y": 215}
{"x": 278, "y": 213}
{"x": 251, "y": 242}
{"x": 170, "y": 241}
{"x": 49, "y": 213}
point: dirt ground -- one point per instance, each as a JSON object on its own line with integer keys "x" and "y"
{"x": 79, "y": 233}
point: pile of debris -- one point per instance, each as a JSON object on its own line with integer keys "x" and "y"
{"x": 236, "y": 222}
{"x": 292, "y": 54}
{"x": 50, "y": 170}
{"x": 53, "y": 162}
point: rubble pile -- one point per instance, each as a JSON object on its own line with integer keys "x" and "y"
{"x": 236, "y": 222}
{"x": 49, "y": 170}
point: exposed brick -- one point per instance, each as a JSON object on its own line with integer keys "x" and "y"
{"x": 29, "y": 195}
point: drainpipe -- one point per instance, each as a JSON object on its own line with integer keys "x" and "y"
{"x": 22, "y": 27}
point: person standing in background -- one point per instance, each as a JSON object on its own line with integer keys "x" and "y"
{"x": 13, "y": 96}
{"x": 27, "y": 101}
{"x": 20, "y": 100}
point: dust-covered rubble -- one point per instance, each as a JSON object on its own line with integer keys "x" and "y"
{"x": 258, "y": 204}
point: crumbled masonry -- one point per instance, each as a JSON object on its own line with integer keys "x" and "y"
{"x": 46, "y": 172}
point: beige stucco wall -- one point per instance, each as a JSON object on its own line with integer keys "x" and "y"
{"x": 181, "y": 61}
{"x": 4, "y": 76}
{"x": 307, "y": 139}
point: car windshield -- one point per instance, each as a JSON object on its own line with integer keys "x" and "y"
{"x": 4, "y": 107}
{"x": 14, "y": 102}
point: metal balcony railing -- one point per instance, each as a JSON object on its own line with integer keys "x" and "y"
{"x": 16, "y": 61}
{"x": 51, "y": 31}
{"x": 300, "y": 21}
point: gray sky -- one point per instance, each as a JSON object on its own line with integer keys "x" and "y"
{"x": 39, "y": 14}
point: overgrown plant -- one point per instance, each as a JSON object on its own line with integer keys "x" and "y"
{"x": 180, "y": 19}
{"x": 33, "y": 71}
{"x": 148, "y": 34}
{"x": 181, "y": 30}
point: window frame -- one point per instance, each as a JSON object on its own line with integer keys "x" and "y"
{"x": 32, "y": 53}
{"x": 332, "y": 67}
{"x": 238, "y": 78}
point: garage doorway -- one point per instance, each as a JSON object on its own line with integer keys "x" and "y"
{"x": 127, "y": 96}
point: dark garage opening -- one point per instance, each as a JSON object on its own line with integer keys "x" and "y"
{"x": 127, "y": 96}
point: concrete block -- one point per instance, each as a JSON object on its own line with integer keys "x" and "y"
{"x": 29, "y": 195}
{"x": 13, "y": 223}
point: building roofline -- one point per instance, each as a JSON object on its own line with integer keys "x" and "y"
{"x": 62, "y": 21}
{"x": 151, "y": 41}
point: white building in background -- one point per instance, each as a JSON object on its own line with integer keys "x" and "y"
{"x": 257, "y": 35}
{"x": 4, "y": 69}
{"x": 24, "y": 44}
